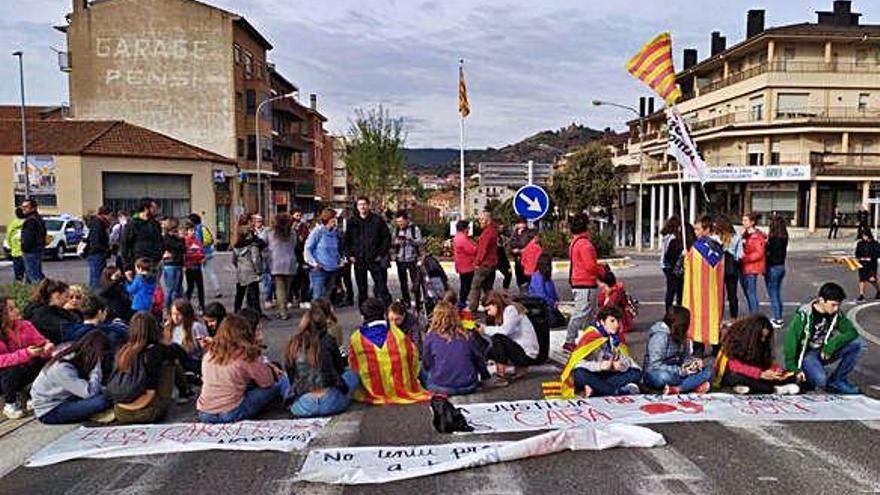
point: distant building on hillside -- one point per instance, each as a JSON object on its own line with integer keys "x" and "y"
{"x": 515, "y": 175}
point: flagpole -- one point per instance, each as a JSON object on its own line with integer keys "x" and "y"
{"x": 461, "y": 152}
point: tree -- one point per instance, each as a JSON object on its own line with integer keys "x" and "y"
{"x": 587, "y": 181}
{"x": 374, "y": 153}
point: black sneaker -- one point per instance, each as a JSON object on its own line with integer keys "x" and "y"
{"x": 861, "y": 298}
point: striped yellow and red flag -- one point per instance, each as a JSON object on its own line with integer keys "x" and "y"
{"x": 388, "y": 374}
{"x": 703, "y": 292}
{"x": 463, "y": 107}
{"x": 653, "y": 66}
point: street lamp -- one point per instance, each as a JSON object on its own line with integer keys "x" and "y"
{"x": 24, "y": 150}
{"x": 638, "y": 236}
{"x": 259, "y": 147}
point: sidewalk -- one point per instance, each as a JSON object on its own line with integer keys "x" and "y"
{"x": 844, "y": 242}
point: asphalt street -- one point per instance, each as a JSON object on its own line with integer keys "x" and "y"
{"x": 709, "y": 457}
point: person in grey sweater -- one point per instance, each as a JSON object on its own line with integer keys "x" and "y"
{"x": 283, "y": 264}
{"x": 68, "y": 389}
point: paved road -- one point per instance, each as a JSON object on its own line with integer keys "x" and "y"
{"x": 832, "y": 457}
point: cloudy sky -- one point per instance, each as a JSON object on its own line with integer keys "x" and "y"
{"x": 531, "y": 66}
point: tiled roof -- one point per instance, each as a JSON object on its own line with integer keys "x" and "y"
{"x": 104, "y": 138}
{"x": 30, "y": 112}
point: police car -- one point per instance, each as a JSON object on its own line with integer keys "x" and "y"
{"x": 63, "y": 234}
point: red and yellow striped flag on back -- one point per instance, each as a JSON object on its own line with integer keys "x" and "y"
{"x": 463, "y": 107}
{"x": 703, "y": 292}
{"x": 653, "y": 66}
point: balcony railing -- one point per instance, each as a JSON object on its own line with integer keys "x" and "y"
{"x": 844, "y": 161}
{"x": 810, "y": 114}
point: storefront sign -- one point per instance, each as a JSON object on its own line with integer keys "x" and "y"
{"x": 40, "y": 172}
{"x": 758, "y": 173}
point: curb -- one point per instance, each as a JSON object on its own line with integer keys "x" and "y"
{"x": 559, "y": 266}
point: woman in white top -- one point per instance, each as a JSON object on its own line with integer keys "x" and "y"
{"x": 514, "y": 341}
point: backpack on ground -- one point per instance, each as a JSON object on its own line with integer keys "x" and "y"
{"x": 447, "y": 417}
{"x": 127, "y": 387}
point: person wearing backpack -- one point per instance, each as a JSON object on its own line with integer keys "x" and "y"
{"x": 98, "y": 245}
{"x": 140, "y": 386}
{"x": 193, "y": 259}
{"x": 248, "y": 262}
{"x": 407, "y": 245}
{"x": 206, "y": 239}
{"x": 322, "y": 255}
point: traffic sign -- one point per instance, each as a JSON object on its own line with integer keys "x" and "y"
{"x": 531, "y": 202}
{"x": 874, "y": 201}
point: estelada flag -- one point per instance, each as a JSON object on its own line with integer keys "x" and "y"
{"x": 653, "y": 66}
{"x": 590, "y": 341}
{"x": 703, "y": 291}
{"x": 463, "y": 107}
{"x": 388, "y": 374}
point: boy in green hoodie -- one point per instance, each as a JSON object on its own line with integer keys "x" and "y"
{"x": 818, "y": 336}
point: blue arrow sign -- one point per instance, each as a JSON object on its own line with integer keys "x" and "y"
{"x": 531, "y": 202}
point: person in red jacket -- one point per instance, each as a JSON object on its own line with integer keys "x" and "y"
{"x": 754, "y": 260}
{"x": 193, "y": 258}
{"x": 485, "y": 261}
{"x": 464, "y": 252}
{"x": 612, "y": 293}
{"x": 582, "y": 277}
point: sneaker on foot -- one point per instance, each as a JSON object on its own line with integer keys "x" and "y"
{"x": 787, "y": 389}
{"x": 777, "y": 324}
{"x": 569, "y": 347}
{"x": 843, "y": 387}
{"x": 671, "y": 390}
{"x": 104, "y": 417}
{"x": 12, "y": 411}
{"x": 268, "y": 304}
{"x": 494, "y": 382}
{"x": 703, "y": 388}
{"x": 629, "y": 389}
{"x": 741, "y": 389}
{"x": 861, "y": 298}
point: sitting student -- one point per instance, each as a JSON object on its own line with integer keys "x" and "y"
{"x": 381, "y": 350}
{"x": 23, "y": 350}
{"x": 317, "y": 382}
{"x": 601, "y": 363}
{"x": 75, "y": 296}
{"x": 514, "y": 341}
{"x": 185, "y": 335}
{"x": 142, "y": 286}
{"x": 819, "y": 335}
{"x": 140, "y": 386}
{"x": 333, "y": 326}
{"x": 669, "y": 365}
{"x": 112, "y": 291}
{"x": 541, "y": 286}
{"x": 214, "y": 314}
{"x": 746, "y": 360}
{"x": 612, "y": 293}
{"x": 46, "y": 310}
{"x": 68, "y": 389}
{"x": 236, "y": 382}
{"x": 399, "y": 316}
{"x": 94, "y": 310}
{"x": 452, "y": 359}
{"x": 436, "y": 281}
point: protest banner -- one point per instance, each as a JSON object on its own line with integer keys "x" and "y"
{"x": 367, "y": 465}
{"x": 531, "y": 415}
{"x": 123, "y": 441}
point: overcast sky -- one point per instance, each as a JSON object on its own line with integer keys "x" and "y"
{"x": 530, "y": 66}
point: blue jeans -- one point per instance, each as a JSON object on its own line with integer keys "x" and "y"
{"x": 660, "y": 378}
{"x": 323, "y": 281}
{"x": 333, "y": 401}
{"x": 750, "y": 287}
{"x": 76, "y": 410}
{"x": 433, "y": 387}
{"x": 97, "y": 263}
{"x": 814, "y": 366}
{"x": 584, "y": 305}
{"x": 172, "y": 278}
{"x": 33, "y": 267}
{"x": 605, "y": 382}
{"x": 774, "y": 277}
{"x": 254, "y": 401}
{"x": 18, "y": 268}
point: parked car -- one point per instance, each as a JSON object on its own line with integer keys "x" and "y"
{"x": 63, "y": 234}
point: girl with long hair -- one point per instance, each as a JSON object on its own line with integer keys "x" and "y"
{"x": 317, "y": 382}
{"x": 754, "y": 259}
{"x": 111, "y": 289}
{"x": 513, "y": 337}
{"x": 283, "y": 265}
{"x": 333, "y": 326}
{"x": 541, "y": 286}
{"x": 23, "y": 351}
{"x": 141, "y": 384}
{"x": 46, "y": 309}
{"x": 187, "y": 337}
{"x": 746, "y": 360}
{"x": 777, "y": 246}
{"x": 732, "y": 243}
{"x": 669, "y": 365}
{"x": 230, "y": 368}
{"x": 671, "y": 249}
{"x": 451, "y": 358}
{"x": 68, "y": 389}
{"x": 248, "y": 261}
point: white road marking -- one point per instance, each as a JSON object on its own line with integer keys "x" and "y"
{"x": 27, "y": 440}
{"x": 676, "y": 466}
{"x": 852, "y": 316}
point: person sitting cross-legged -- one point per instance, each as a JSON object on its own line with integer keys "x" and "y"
{"x": 745, "y": 362}
{"x": 669, "y": 365}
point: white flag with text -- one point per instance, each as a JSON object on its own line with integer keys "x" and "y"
{"x": 683, "y": 147}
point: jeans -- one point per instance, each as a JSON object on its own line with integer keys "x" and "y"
{"x": 33, "y": 267}
{"x": 76, "y": 410}
{"x": 252, "y": 291}
{"x": 732, "y": 292}
{"x": 464, "y": 288}
{"x": 437, "y": 389}
{"x": 605, "y": 382}
{"x": 408, "y": 273}
{"x": 749, "y": 283}
{"x": 172, "y": 278}
{"x": 813, "y": 365}
{"x": 97, "y": 263}
{"x": 18, "y": 268}
{"x": 674, "y": 287}
{"x": 379, "y": 272}
{"x": 323, "y": 281}
{"x": 254, "y": 401}
{"x": 484, "y": 281}
{"x": 15, "y": 380}
{"x": 584, "y": 303}
{"x": 774, "y": 277}
{"x": 332, "y": 401}
{"x": 660, "y": 378}
{"x": 194, "y": 281}
{"x": 267, "y": 287}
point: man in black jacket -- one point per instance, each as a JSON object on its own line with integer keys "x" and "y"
{"x": 143, "y": 236}
{"x": 368, "y": 243}
{"x": 33, "y": 242}
{"x": 98, "y": 249}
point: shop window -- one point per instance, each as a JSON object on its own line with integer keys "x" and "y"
{"x": 770, "y": 203}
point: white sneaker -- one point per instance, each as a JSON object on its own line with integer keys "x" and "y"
{"x": 268, "y": 305}
{"x": 12, "y": 411}
{"x": 741, "y": 389}
{"x": 787, "y": 389}
{"x": 629, "y": 389}
{"x": 777, "y": 324}
{"x": 29, "y": 406}
{"x": 305, "y": 305}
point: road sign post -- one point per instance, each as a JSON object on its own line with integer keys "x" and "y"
{"x": 531, "y": 202}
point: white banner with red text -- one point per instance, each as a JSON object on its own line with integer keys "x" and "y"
{"x": 123, "y": 441}
{"x": 531, "y": 415}
{"x": 367, "y": 465}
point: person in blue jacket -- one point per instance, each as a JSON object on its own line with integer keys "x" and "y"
{"x": 541, "y": 286}
{"x": 323, "y": 256}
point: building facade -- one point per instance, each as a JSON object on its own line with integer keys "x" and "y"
{"x": 788, "y": 120}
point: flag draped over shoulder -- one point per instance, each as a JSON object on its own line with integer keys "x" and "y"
{"x": 388, "y": 374}
{"x": 703, "y": 291}
{"x": 653, "y": 66}
{"x": 463, "y": 107}
{"x": 590, "y": 341}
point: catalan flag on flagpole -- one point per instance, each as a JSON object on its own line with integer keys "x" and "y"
{"x": 653, "y": 66}
{"x": 463, "y": 108}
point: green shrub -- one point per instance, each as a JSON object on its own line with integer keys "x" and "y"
{"x": 435, "y": 230}
{"x": 555, "y": 243}
{"x": 20, "y": 293}
{"x": 604, "y": 244}
{"x": 437, "y": 246}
